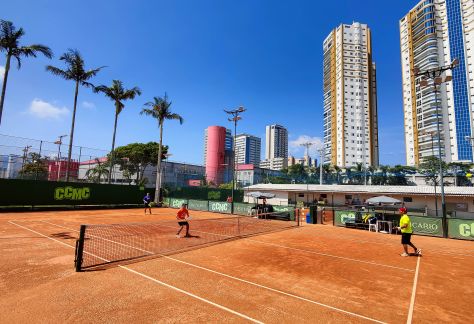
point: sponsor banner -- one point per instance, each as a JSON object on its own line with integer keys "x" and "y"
{"x": 427, "y": 226}
{"x": 177, "y": 202}
{"x": 242, "y": 209}
{"x": 344, "y": 216}
{"x": 461, "y": 228}
{"x": 220, "y": 207}
{"x": 198, "y": 204}
{"x": 290, "y": 209}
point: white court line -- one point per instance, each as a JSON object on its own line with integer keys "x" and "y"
{"x": 413, "y": 292}
{"x": 153, "y": 279}
{"x": 240, "y": 279}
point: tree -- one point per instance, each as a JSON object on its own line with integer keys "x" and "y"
{"x": 459, "y": 171}
{"x": 159, "y": 109}
{"x": 76, "y": 72}
{"x": 225, "y": 185}
{"x": 430, "y": 168}
{"x": 135, "y": 157}
{"x": 297, "y": 172}
{"x": 95, "y": 174}
{"x": 35, "y": 167}
{"x": 117, "y": 94}
{"x": 10, "y": 44}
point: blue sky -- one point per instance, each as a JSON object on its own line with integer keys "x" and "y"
{"x": 208, "y": 55}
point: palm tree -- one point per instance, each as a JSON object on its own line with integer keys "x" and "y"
{"x": 9, "y": 42}
{"x": 117, "y": 94}
{"x": 159, "y": 109}
{"x": 95, "y": 174}
{"x": 338, "y": 171}
{"x": 75, "y": 71}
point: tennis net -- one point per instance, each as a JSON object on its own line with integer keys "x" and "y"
{"x": 106, "y": 244}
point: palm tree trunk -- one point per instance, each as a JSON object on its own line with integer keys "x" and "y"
{"x": 71, "y": 135}
{"x": 113, "y": 147}
{"x": 158, "y": 167}
{"x": 4, "y": 85}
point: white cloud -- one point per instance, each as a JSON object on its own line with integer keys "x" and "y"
{"x": 46, "y": 110}
{"x": 88, "y": 105}
{"x": 2, "y": 72}
{"x": 295, "y": 146}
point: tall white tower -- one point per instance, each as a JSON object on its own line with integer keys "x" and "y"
{"x": 350, "y": 97}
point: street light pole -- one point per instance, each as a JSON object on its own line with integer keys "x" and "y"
{"x": 321, "y": 162}
{"x": 431, "y": 134}
{"x": 435, "y": 75}
{"x": 59, "y": 142}
{"x": 235, "y": 118}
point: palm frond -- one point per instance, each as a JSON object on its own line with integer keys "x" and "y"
{"x": 148, "y": 112}
{"x": 59, "y": 72}
{"x": 32, "y": 50}
{"x": 175, "y": 117}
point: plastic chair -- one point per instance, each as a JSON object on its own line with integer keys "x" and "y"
{"x": 374, "y": 226}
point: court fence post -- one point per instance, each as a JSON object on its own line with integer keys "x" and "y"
{"x": 80, "y": 248}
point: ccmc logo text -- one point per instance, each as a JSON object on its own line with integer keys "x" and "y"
{"x": 71, "y": 193}
{"x": 466, "y": 230}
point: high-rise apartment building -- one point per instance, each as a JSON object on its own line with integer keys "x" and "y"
{"x": 247, "y": 149}
{"x": 276, "y": 148}
{"x": 276, "y": 144}
{"x": 433, "y": 34}
{"x": 350, "y": 97}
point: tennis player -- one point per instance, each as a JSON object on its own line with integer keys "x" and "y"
{"x": 147, "y": 202}
{"x": 407, "y": 231}
{"x": 182, "y": 216}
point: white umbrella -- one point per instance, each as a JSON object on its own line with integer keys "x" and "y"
{"x": 383, "y": 200}
{"x": 260, "y": 195}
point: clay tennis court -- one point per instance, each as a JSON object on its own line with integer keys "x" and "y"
{"x": 313, "y": 273}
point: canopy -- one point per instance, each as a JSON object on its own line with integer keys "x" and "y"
{"x": 384, "y": 200}
{"x": 260, "y": 195}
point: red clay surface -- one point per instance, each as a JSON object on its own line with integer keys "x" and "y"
{"x": 314, "y": 273}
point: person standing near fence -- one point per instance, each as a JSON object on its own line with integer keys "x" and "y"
{"x": 406, "y": 229}
{"x": 147, "y": 202}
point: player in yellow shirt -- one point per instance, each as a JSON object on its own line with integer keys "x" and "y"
{"x": 407, "y": 231}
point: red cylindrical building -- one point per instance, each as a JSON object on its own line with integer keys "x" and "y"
{"x": 215, "y": 153}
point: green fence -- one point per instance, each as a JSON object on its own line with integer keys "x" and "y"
{"x": 427, "y": 225}
{"x": 421, "y": 225}
{"x": 242, "y": 209}
{"x": 461, "y": 228}
{"x": 15, "y": 192}
{"x": 222, "y": 207}
{"x": 203, "y": 193}
{"x": 198, "y": 204}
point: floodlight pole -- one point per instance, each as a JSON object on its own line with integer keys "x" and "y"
{"x": 59, "y": 142}
{"x": 235, "y": 118}
{"x": 435, "y": 75}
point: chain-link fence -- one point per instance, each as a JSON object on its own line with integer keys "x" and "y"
{"x": 26, "y": 158}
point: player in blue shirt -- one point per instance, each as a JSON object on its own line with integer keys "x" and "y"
{"x": 147, "y": 202}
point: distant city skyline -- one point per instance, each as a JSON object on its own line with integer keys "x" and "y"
{"x": 224, "y": 55}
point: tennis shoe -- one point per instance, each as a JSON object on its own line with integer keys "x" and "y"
{"x": 418, "y": 252}
{"x": 177, "y": 236}
{"x": 404, "y": 254}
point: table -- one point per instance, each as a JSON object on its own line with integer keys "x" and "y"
{"x": 384, "y": 224}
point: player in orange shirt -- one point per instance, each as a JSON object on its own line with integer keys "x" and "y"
{"x": 182, "y": 217}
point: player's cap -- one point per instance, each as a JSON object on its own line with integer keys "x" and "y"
{"x": 402, "y": 210}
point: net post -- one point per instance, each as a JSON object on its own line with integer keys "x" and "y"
{"x": 80, "y": 248}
